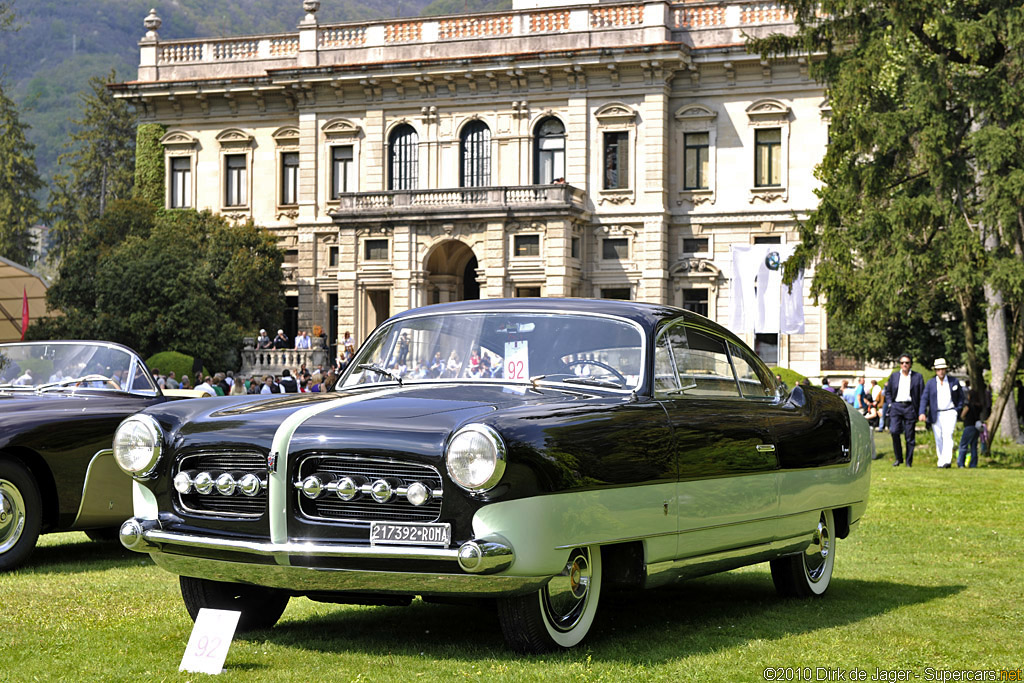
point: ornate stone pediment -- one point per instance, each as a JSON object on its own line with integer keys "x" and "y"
{"x": 234, "y": 137}
{"x": 697, "y": 115}
{"x": 340, "y": 128}
{"x": 616, "y": 114}
{"x": 694, "y": 266}
{"x": 178, "y": 139}
{"x": 768, "y": 112}
{"x": 286, "y": 135}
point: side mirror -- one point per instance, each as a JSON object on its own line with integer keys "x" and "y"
{"x": 796, "y": 397}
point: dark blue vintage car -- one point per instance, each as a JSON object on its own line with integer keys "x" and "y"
{"x": 536, "y": 451}
{"x": 60, "y": 402}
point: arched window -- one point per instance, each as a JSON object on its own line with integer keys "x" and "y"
{"x": 403, "y": 158}
{"x": 549, "y": 152}
{"x": 476, "y": 154}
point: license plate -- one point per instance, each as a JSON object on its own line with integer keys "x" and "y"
{"x": 388, "y": 533}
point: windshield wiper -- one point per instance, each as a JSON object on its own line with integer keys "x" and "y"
{"x": 380, "y": 370}
{"x": 592, "y": 381}
{"x": 72, "y": 380}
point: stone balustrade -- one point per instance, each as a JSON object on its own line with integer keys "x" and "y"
{"x": 658, "y": 21}
{"x": 262, "y": 362}
{"x": 478, "y": 198}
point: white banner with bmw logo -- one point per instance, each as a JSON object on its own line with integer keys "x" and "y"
{"x": 760, "y": 302}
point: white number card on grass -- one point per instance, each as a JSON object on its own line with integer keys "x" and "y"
{"x": 208, "y": 645}
{"x": 517, "y": 360}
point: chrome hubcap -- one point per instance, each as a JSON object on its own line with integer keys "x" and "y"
{"x": 565, "y": 596}
{"x": 816, "y": 555}
{"x": 12, "y": 515}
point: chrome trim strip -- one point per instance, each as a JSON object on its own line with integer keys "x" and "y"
{"x": 625, "y": 539}
{"x": 765, "y": 448}
{"x": 311, "y": 579}
{"x": 278, "y": 484}
{"x": 661, "y": 573}
{"x": 158, "y": 539}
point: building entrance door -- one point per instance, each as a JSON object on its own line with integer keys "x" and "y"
{"x": 451, "y": 273}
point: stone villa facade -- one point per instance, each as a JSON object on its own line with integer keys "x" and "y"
{"x": 615, "y": 150}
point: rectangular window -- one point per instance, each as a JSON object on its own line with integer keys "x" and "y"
{"x": 341, "y": 170}
{"x": 526, "y": 245}
{"x": 615, "y": 249}
{"x": 575, "y": 247}
{"x": 695, "y": 245}
{"x": 695, "y": 161}
{"x": 291, "y": 256}
{"x": 768, "y": 157}
{"x": 766, "y": 346}
{"x": 290, "y": 178}
{"x": 375, "y": 250}
{"x": 181, "y": 182}
{"x": 616, "y": 160}
{"x": 622, "y": 293}
{"x": 696, "y": 300}
{"x": 235, "y": 184}
{"x": 332, "y": 257}
{"x": 527, "y": 292}
{"x": 775, "y": 239}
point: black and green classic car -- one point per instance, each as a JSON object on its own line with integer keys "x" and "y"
{"x": 539, "y": 452}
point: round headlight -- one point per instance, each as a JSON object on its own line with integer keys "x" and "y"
{"x": 476, "y": 458}
{"x": 137, "y": 445}
{"x": 182, "y": 483}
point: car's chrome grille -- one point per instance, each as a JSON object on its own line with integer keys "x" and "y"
{"x": 363, "y": 507}
{"x": 215, "y": 463}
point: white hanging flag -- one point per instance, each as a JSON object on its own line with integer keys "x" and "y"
{"x": 760, "y": 302}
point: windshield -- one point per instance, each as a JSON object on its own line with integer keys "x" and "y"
{"x": 503, "y": 347}
{"x": 55, "y": 366}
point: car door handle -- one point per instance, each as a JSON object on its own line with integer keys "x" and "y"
{"x": 765, "y": 448}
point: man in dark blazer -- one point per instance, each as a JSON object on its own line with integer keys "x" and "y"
{"x": 940, "y": 404}
{"x": 903, "y": 394}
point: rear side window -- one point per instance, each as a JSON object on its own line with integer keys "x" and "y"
{"x": 691, "y": 362}
{"x": 754, "y": 378}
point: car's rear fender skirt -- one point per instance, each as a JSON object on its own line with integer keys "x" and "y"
{"x": 44, "y": 480}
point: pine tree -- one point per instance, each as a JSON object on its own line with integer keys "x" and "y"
{"x": 918, "y": 239}
{"x": 100, "y": 164}
{"x": 19, "y": 210}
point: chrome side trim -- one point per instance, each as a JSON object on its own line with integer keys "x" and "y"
{"x": 684, "y": 532}
{"x": 309, "y": 579}
{"x": 278, "y": 486}
{"x": 662, "y": 573}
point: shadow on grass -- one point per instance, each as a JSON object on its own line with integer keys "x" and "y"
{"x": 80, "y": 556}
{"x": 694, "y": 617}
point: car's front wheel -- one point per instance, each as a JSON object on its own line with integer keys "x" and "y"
{"x": 809, "y": 573}
{"x": 21, "y": 514}
{"x": 560, "y": 614}
{"x": 260, "y": 607}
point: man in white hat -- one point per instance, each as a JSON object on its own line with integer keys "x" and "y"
{"x": 940, "y": 403}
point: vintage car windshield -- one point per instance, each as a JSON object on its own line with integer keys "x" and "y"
{"x": 69, "y": 366}
{"x": 518, "y": 347}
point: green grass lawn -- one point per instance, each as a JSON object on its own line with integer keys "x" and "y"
{"x": 931, "y": 578}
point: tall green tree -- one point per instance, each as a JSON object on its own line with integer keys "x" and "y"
{"x": 916, "y": 240}
{"x": 19, "y": 179}
{"x": 99, "y": 164}
{"x": 159, "y": 280}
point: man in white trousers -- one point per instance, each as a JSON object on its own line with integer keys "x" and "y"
{"x": 940, "y": 404}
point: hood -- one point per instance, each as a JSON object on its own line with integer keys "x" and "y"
{"x": 411, "y": 419}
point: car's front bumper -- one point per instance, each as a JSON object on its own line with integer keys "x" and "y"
{"x": 470, "y": 570}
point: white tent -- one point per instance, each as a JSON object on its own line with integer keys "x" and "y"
{"x": 17, "y": 281}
